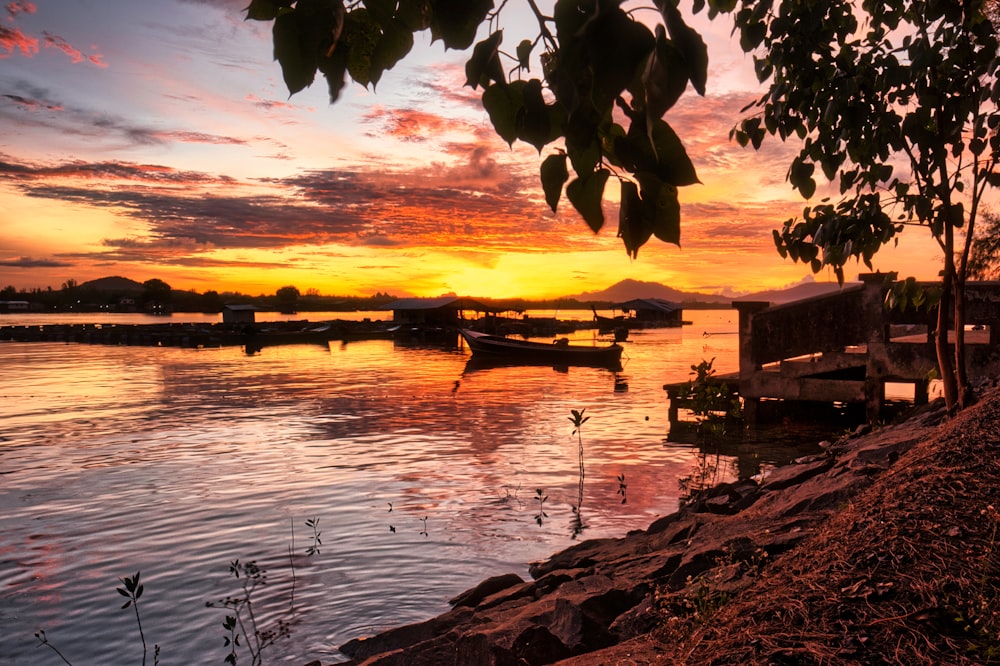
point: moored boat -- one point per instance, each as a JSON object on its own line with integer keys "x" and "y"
{"x": 560, "y": 352}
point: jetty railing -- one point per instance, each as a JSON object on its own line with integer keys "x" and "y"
{"x": 846, "y": 346}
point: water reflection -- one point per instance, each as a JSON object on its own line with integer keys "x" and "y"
{"x": 177, "y": 462}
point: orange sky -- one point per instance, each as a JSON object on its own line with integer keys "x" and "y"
{"x": 158, "y": 140}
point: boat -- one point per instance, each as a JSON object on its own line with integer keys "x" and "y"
{"x": 558, "y": 353}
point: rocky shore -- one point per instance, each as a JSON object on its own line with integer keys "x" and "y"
{"x": 883, "y": 550}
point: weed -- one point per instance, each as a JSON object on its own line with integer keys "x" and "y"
{"x": 317, "y": 542}
{"x": 132, "y": 590}
{"x": 578, "y": 419}
{"x": 541, "y": 497}
{"x": 43, "y": 640}
{"x": 243, "y": 618}
{"x": 622, "y": 488}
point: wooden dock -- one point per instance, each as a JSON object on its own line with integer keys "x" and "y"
{"x": 846, "y": 346}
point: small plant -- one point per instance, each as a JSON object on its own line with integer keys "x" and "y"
{"x": 622, "y": 486}
{"x": 43, "y": 640}
{"x": 578, "y": 419}
{"x": 132, "y": 590}
{"x": 256, "y": 639}
{"x": 541, "y": 497}
{"x": 710, "y": 400}
{"x": 317, "y": 542}
{"x": 508, "y": 496}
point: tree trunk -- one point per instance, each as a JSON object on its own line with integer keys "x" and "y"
{"x": 963, "y": 392}
{"x": 945, "y": 360}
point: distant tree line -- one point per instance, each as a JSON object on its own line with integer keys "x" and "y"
{"x": 157, "y": 295}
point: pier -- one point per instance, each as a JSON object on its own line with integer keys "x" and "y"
{"x": 845, "y": 347}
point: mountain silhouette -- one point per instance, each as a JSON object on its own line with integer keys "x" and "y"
{"x": 626, "y": 290}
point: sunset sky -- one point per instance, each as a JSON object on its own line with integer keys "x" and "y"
{"x": 157, "y": 140}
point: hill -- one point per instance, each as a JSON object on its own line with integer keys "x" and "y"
{"x": 626, "y": 290}
{"x": 116, "y": 284}
{"x": 798, "y": 292}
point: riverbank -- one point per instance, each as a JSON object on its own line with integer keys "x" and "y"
{"x": 884, "y": 549}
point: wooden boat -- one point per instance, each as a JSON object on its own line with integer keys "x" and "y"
{"x": 521, "y": 352}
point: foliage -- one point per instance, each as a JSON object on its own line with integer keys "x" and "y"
{"x": 288, "y": 297}
{"x": 984, "y": 260}
{"x": 541, "y": 498}
{"x": 606, "y": 82}
{"x": 578, "y": 419}
{"x": 132, "y": 589}
{"x": 707, "y": 397}
{"x": 243, "y": 618}
{"x": 896, "y": 104}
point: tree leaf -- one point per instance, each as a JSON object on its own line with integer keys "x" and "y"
{"x": 456, "y": 22}
{"x": 633, "y": 226}
{"x": 502, "y": 103}
{"x": 524, "y": 54}
{"x": 484, "y": 64}
{"x": 266, "y": 10}
{"x": 664, "y": 78}
{"x": 554, "y": 175}
{"x": 689, "y": 43}
{"x": 532, "y": 119}
{"x": 661, "y": 207}
{"x": 361, "y": 36}
{"x": 396, "y": 41}
{"x": 586, "y": 193}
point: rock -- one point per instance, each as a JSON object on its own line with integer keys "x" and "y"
{"x": 487, "y": 588}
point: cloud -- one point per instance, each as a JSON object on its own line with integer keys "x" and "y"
{"x": 30, "y": 262}
{"x": 75, "y": 55}
{"x": 12, "y": 39}
{"x": 270, "y": 104}
{"x": 19, "y": 7}
{"x": 32, "y": 104}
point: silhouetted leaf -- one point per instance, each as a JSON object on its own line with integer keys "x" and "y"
{"x": 633, "y": 228}
{"x": 524, "y": 54}
{"x": 484, "y": 65}
{"x": 266, "y": 10}
{"x": 664, "y": 79}
{"x": 532, "y": 119}
{"x": 586, "y": 194}
{"x": 554, "y": 175}
{"x": 396, "y": 41}
{"x": 503, "y": 103}
{"x": 689, "y": 43}
{"x": 456, "y": 21}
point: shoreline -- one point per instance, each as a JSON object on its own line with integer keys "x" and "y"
{"x": 883, "y": 549}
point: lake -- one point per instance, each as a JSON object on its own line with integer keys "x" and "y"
{"x": 421, "y": 479}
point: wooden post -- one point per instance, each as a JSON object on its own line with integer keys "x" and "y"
{"x": 877, "y": 325}
{"x": 748, "y": 363}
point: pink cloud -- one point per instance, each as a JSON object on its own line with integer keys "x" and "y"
{"x": 12, "y": 39}
{"x": 15, "y": 8}
{"x": 268, "y": 104}
{"x": 74, "y": 54}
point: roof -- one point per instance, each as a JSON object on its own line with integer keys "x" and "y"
{"x": 241, "y": 307}
{"x": 656, "y": 304}
{"x": 439, "y": 303}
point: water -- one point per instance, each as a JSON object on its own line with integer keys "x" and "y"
{"x": 423, "y": 478}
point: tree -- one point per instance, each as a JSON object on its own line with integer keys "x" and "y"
{"x": 607, "y": 81}
{"x": 156, "y": 291}
{"x": 288, "y": 298}
{"x": 896, "y": 103}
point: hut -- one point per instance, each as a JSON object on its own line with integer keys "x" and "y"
{"x": 444, "y": 311}
{"x": 652, "y": 312}
{"x": 238, "y": 313}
